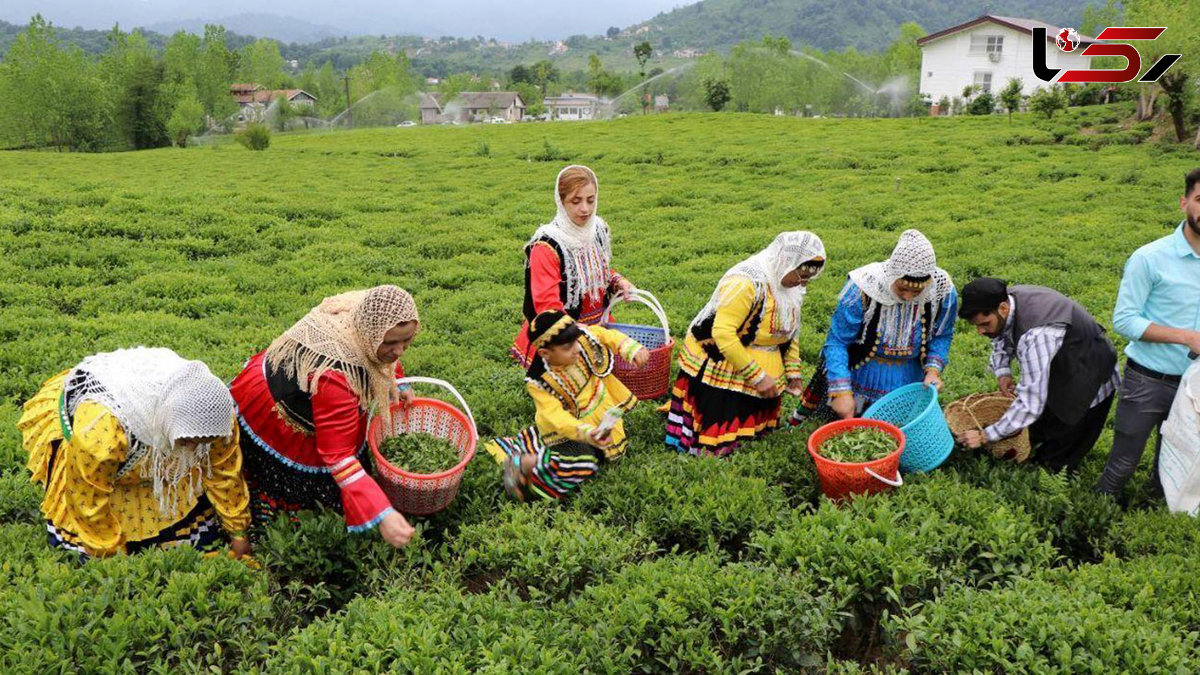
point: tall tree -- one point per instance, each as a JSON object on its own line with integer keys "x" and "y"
{"x": 262, "y": 63}
{"x": 1181, "y": 37}
{"x": 51, "y": 96}
{"x": 135, "y": 79}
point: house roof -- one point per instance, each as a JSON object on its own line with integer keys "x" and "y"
{"x": 570, "y": 99}
{"x": 1025, "y": 26}
{"x": 475, "y": 99}
{"x": 261, "y": 95}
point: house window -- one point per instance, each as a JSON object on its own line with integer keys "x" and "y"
{"x": 983, "y": 82}
{"x": 986, "y": 44}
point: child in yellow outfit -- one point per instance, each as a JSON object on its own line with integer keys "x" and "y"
{"x": 136, "y": 449}
{"x": 579, "y": 403}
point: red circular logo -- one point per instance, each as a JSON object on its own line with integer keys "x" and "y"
{"x": 1067, "y": 39}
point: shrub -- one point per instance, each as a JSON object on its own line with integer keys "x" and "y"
{"x": 983, "y": 104}
{"x": 169, "y": 611}
{"x": 1037, "y": 627}
{"x": 20, "y": 499}
{"x": 899, "y": 549}
{"x": 254, "y": 137}
{"x": 1153, "y": 533}
{"x": 544, "y": 549}
{"x": 1072, "y": 515}
{"x": 437, "y": 627}
{"x": 316, "y": 566}
{"x": 683, "y": 502}
{"x": 692, "y": 615}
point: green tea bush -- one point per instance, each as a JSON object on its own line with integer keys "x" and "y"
{"x": 683, "y": 503}
{"x": 316, "y": 566}
{"x": 162, "y": 611}
{"x": 1038, "y": 627}
{"x": 438, "y": 627}
{"x": 694, "y": 615}
{"x": 1144, "y": 533}
{"x": 20, "y": 499}
{"x": 1163, "y": 588}
{"x": 1075, "y": 518}
{"x": 899, "y": 549}
{"x": 544, "y": 550}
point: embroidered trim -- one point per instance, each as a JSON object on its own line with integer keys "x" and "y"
{"x": 275, "y": 453}
{"x": 370, "y": 524}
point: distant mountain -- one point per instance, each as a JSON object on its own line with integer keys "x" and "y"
{"x": 867, "y": 25}
{"x": 285, "y": 29}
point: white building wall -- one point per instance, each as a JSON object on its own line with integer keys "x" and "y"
{"x": 947, "y": 65}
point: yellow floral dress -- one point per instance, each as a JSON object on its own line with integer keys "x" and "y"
{"x": 571, "y": 401}
{"x": 90, "y": 510}
{"x": 714, "y": 404}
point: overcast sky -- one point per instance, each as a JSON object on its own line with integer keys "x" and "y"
{"x": 514, "y": 20}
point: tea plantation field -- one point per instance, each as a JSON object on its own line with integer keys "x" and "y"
{"x": 665, "y": 564}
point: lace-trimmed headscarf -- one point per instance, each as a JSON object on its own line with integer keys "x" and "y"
{"x": 766, "y": 270}
{"x": 159, "y": 398}
{"x": 586, "y": 249}
{"x": 913, "y": 262}
{"x": 343, "y": 333}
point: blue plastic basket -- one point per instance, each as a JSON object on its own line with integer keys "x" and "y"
{"x": 914, "y": 408}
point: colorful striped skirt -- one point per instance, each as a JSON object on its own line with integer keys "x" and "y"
{"x": 706, "y": 420}
{"x": 559, "y": 470}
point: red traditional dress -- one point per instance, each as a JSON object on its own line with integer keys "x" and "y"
{"x": 301, "y": 450}
{"x": 568, "y": 268}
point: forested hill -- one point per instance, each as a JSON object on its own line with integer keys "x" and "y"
{"x": 866, "y": 26}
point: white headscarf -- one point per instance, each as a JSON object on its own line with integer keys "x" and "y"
{"x": 912, "y": 257}
{"x": 586, "y": 249}
{"x": 159, "y": 398}
{"x": 766, "y": 270}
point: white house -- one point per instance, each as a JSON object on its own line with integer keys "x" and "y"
{"x": 987, "y": 52}
{"x": 572, "y": 106}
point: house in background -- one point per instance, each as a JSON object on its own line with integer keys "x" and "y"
{"x": 572, "y": 107}
{"x": 986, "y": 53}
{"x": 253, "y": 99}
{"x": 472, "y": 106}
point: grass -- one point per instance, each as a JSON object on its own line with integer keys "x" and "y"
{"x": 213, "y": 251}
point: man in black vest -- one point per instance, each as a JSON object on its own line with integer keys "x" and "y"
{"x": 1068, "y": 368}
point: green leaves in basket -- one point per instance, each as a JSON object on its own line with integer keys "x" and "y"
{"x": 419, "y": 453}
{"x": 860, "y": 445}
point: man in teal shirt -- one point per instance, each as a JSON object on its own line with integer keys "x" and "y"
{"x": 1158, "y": 311}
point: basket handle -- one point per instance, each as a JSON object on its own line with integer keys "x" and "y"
{"x": 894, "y": 483}
{"x": 647, "y": 299}
{"x": 446, "y": 385}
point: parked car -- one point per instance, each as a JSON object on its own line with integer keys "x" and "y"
{"x": 407, "y": 123}
{"x": 496, "y": 120}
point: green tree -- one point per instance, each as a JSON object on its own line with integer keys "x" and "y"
{"x": 1096, "y": 19}
{"x": 642, "y": 53}
{"x": 214, "y": 74}
{"x": 716, "y": 94}
{"x": 51, "y": 96}
{"x": 262, "y": 64}
{"x": 135, "y": 79}
{"x": 543, "y": 73}
{"x": 1011, "y": 96}
{"x": 904, "y": 56}
{"x": 1048, "y": 100}
{"x": 186, "y": 119}
{"x": 1181, "y": 37}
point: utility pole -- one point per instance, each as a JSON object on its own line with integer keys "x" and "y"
{"x": 349, "y": 117}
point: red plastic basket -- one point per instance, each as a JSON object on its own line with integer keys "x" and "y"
{"x": 415, "y": 493}
{"x": 652, "y": 380}
{"x": 841, "y": 479}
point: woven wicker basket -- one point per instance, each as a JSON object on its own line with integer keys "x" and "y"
{"x": 976, "y": 412}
